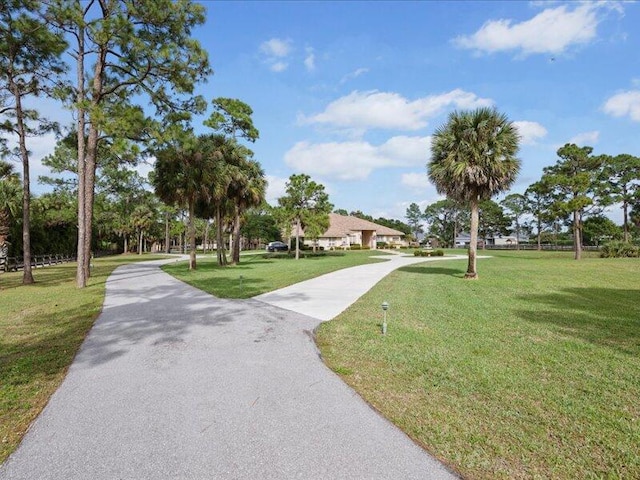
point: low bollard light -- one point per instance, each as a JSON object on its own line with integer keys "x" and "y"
{"x": 385, "y": 307}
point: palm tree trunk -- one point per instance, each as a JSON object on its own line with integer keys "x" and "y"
{"x": 222, "y": 258}
{"x": 206, "y": 239}
{"x": 167, "y": 237}
{"x": 192, "y": 236}
{"x": 473, "y": 241}
{"x": 297, "y": 238}
{"x": 236, "y": 239}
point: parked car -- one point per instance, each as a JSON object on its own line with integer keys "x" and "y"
{"x": 277, "y": 247}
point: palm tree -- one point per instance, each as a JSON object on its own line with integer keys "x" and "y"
{"x": 184, "y": 175}
{"x": 473, "y": 157}
{"x": 9, "y": 200}
{"x": 247, "y": 190}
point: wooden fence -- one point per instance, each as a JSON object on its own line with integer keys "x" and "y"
{"x": 13, "y": 264}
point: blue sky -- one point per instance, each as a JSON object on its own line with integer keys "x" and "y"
{"x": 350, "y": 92}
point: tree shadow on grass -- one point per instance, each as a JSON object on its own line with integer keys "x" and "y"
{"x": 602, "y": 316}
{"x": 431, "y": 270}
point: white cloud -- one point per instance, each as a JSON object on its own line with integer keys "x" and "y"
{"x": 585, "y": 138}
{"x": 355, "y": 74}
{"x": 530, "y": 132}
{"x": 279, "y": 66}
{"x": 276, "y": 51}
{"x": 356, "y": 160}
{"x": 276, "y": 188}
{"x": 276, "y": 47}
{"x": 310, "y": 60}
{"x": 552, "y": 31}
{"x": 624, "y": 104}
{"x": 407, "y": 149}
{"x": 415, "y": 181}
{"x": 388, "y": 110}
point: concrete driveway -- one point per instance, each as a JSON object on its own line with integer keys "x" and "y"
{"x": 172, "y": 383}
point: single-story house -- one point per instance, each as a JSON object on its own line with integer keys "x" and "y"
{"x": 463, "y": 239}
{"x": 345, "y": 230}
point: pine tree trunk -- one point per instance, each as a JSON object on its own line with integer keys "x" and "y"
{"x": 625, "y": 224}
{"x": 81, "y": 279}
{"x": 27, "y": 275}
{"x": 577, "y": 235}
{"x": 473, "y": 243}
{"x": 89, "y": 184}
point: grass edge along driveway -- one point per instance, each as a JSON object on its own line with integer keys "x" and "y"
{"x": 256, "y": 275}
{"x": 41, "y": 328}
{"x": 533, "y": 371}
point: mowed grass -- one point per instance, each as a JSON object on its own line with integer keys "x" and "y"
{"x": 41, "y": 329}
{"x": 261, "y": 275}
{"x": 533, "y": 371}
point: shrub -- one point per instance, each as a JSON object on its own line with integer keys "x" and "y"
{"x": 381, "y": 245}
{"x": 356, "y": 246}
{"x": 618, "y": 249}
{"x": 428, "y": 253}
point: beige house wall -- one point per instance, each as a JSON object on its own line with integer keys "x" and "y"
{"x": 345, "y": 231}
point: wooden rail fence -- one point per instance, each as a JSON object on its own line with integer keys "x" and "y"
{"x": 13, "y": 264}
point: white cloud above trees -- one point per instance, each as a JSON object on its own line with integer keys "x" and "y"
{"x": 356, "y": 160}
{"x": 624, "y": 104}
{"x": 552, "y": 31}
{"x": 416, "y": 181}
{"x": 585, "y": 138}
{"x": 276, "y": 188}
{"x": 389, "y": 110}
{"x": 276, "y": 47}
{"x": 275, "y": 51}
{"x": 530, "y": 132}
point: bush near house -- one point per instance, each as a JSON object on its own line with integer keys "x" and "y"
{"x": 428, "y": 253}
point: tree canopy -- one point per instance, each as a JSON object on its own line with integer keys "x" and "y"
{"x": 305, "y": 203}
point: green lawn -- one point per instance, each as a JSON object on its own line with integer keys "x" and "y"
{"x": 533, "y": 371}
{"x": 260, "y": 275}
{"x": 41, "y": 329}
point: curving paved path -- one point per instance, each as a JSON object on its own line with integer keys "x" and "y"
{"x": 172, "y": 383}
